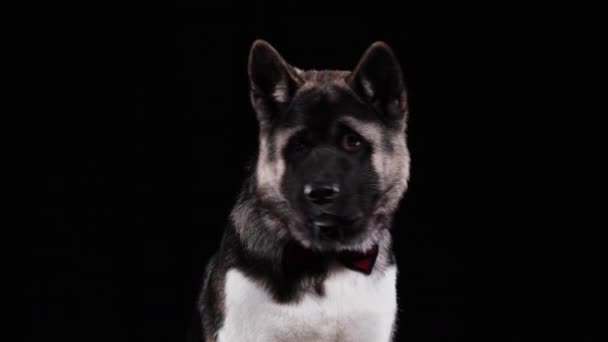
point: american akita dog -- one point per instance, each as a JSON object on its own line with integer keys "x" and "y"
{"x": 307, "y": 255}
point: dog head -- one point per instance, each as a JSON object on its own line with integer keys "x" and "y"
{"x": 333, "y": 162}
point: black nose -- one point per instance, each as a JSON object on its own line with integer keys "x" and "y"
{"x": 321, "y": 193}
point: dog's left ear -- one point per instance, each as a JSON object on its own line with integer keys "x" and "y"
{"x": 378, "y": 79}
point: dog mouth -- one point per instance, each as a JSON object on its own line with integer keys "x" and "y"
{"x": 333, "y": 227}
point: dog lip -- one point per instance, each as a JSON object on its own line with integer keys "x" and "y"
{"x": 333, "y": 228}
{"x": 329, "y": 220}
{"x": 325, "y": 223}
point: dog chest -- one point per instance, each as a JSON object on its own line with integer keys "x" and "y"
{"x": 354, "y": 307}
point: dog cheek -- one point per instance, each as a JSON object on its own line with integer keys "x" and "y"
{"x": 271, "y": 164}
{"x": 289, "y": 186}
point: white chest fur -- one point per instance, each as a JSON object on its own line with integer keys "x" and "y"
{"x": 355, "y": 307}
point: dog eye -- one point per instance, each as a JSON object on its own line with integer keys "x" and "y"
{"x": 300, "y": 145}
{"x": 351, "y": 142}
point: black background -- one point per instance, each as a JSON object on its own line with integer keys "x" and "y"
{"x": 149, "y": 133}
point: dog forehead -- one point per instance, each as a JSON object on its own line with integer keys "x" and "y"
{"x": 319, "y": 77}
{"x": 322, "y": 105}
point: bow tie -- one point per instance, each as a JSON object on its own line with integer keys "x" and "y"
{"x": 297, "y": 256}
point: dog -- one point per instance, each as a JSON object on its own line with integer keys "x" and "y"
{"x": 307, "y": 252}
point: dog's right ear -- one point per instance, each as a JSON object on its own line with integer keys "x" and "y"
{"x": 273, "y": 81}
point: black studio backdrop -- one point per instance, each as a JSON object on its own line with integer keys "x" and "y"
{"x": 152, "y": 135}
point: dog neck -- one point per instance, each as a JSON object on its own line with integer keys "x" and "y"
{"x": 265, "y": 252}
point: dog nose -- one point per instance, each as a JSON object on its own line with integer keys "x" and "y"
{"x": 321, "y": 193}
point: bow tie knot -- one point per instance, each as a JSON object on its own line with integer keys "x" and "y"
{"x": 300, "y": 257}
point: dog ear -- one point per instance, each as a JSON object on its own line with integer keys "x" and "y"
{"x": 378, "y": 79}
{"x": 273, "y": 82}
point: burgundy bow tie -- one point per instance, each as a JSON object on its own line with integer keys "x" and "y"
{"x": 298, "y": 256}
